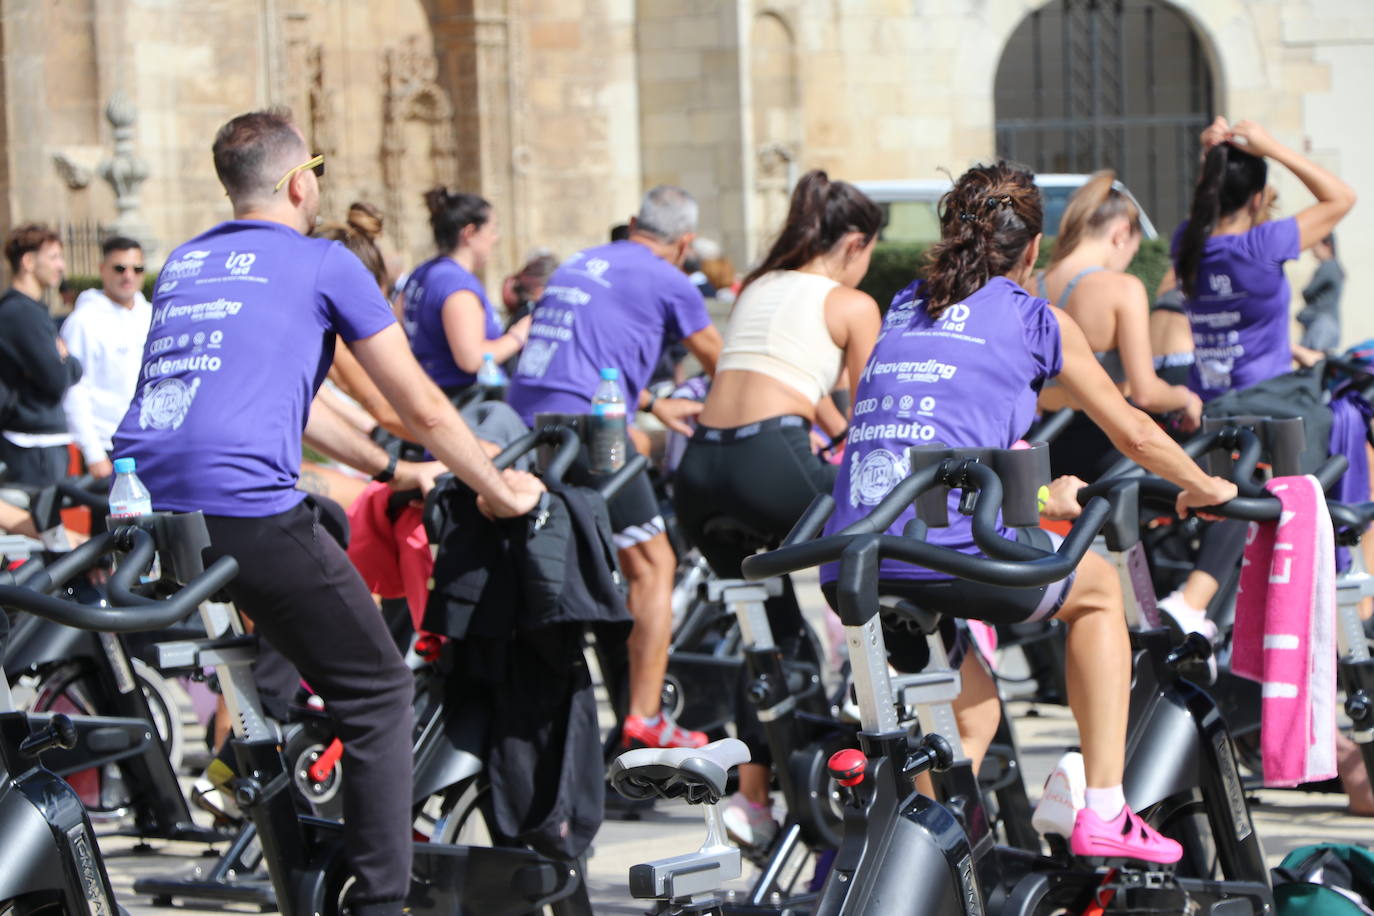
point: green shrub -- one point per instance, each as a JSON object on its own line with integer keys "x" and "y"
{"x": 895, "y": 264}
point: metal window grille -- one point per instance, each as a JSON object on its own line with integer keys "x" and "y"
{"x": 1120, "y": 84}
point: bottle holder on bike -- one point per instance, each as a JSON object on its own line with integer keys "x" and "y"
{"x": 179, "y": 537}
{"x": 1282, "y": 441}
{"x": 1023, "y": 472}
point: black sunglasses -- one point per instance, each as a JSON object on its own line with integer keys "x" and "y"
{"x": 121, "y": 268}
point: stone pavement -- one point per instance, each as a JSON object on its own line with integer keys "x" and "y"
{"x": 1284, "y": 819}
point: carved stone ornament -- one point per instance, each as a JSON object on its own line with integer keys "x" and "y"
{"x": 75, "y": 175}
{"x": 410, "y": 73}
{"x": 125, "y": 171}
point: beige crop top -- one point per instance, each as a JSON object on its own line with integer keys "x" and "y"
{"x": 778, "y": 329}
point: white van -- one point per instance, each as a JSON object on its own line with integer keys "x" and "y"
{"x": 911, "y": 206}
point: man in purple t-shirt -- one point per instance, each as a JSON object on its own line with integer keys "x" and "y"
{"x": 611, "y": 307}
{"x": 244, "y": 322}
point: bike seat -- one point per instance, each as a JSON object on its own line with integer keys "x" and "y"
{"x": 909, "y": 615}
{"x": 736, "y": 532}
{"x": 696, "y": 774}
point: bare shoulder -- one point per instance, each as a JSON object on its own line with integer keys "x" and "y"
{"x": 845, "y": 300}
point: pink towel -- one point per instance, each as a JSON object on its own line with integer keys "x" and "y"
{"x": 1285, "y": 633}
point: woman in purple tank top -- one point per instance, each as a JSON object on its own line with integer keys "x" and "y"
{"x": 959, "y": 361}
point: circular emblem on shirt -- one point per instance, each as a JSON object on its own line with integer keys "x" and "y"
{"x": 165, "y": 404}
{"x": 874, "y": 477}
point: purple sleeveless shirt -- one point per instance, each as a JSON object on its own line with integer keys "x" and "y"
{"x": 968, "y": 379}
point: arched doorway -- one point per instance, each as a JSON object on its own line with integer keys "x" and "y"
{"x": 1121, "y": 84}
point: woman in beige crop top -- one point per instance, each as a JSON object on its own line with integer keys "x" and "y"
{"x": 798, "y": 325}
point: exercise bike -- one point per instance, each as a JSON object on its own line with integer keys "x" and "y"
{"x": 900, "y": 847}
{"x": 40, "y": 814}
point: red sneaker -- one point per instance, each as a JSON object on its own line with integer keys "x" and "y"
{"x": 635, "y": 732}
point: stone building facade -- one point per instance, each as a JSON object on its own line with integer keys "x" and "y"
{"x": 561, "y": 111}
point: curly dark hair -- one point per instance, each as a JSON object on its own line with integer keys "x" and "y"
{"x": 986, "y": 221}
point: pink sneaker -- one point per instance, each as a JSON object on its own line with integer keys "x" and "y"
{"x": 1125, "y": 836}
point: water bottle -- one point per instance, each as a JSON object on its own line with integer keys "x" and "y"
{"x": 490, "y": 375}
{"x": 608, "y": 424}
{"x": 129, "y": 498}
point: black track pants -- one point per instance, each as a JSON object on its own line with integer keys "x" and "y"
{"x": 306, "y": 599}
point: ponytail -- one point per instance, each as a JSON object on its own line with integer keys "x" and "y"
{"x": 450, "y": 212}
{"x": 1230, "y": 178}
{"x": 987, "y": 220}
{"x": 1091, "y": 208}
{"x": 821, "y": 213}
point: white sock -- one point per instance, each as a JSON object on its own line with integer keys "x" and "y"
{"x": 1105, "y": 803}
{"x": 653, "y": 720}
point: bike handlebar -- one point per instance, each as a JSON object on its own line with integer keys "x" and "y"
{"x": 568, "y": 445}
{"x": 1029, "y": 568}
{"x": 1260, "y": 508}
{"x": 132, "y": 613}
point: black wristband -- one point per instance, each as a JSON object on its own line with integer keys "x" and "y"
{"x": 386, "y": 474}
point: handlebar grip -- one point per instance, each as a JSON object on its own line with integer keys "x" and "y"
{"x": 811, "y": 521}
{"x": 50, "y": 578}
{"x": 508, "y": 455}
{"x": 1049, "y": 428}
{"x": 81, "y": 496}
{"x": 610, "y": 486}
{"x": 1331, "y": 471}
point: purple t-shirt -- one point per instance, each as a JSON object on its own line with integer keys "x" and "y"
{"x": 429, "y": 286}
{"x": 244, "y": 318}
{"x": 1240, "y": 314}
{"x": 609, "y": 307}
{"x": 967, "y": 380}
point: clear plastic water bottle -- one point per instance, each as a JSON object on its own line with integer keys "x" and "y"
{"x": 490, "y": 375}
{"x": 129, "y": 498}
{"x": 608, "y": 424}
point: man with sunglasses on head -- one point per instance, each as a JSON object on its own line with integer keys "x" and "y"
{"x": 245, "y": 318}
{"x": 106, "y": 331}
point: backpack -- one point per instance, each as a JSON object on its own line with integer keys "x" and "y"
{"x": 1293, "y": 394}
{"x": 1325, "y": 879}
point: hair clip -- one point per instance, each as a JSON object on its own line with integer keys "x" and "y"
{"x": 993, "y": 203}
{"x": 967, "y": 216}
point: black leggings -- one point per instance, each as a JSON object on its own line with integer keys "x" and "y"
{"x": 765, "y": 480}
{"x": 307, "y": 600}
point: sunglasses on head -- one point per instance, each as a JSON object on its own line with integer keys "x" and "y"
{"x": 122, "y": 268}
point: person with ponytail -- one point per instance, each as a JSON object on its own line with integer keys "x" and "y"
{"x": 1099, "y": 235}
{"x": 798, "y": 324}
{"x": 359, "y": 233}
{"x": 960, "y": 360}
{"x": 451, "y": 324}
{"x": 1229, "y": 259}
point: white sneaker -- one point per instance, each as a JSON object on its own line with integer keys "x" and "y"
{"x": 1188, "y": 618}
{"x": 1062, "y": 797}
{"x": 747, "y": 824}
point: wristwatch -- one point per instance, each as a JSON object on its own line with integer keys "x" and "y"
{"x": 386, "y": 474}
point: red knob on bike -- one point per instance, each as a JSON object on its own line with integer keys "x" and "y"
{"x": 848, "y": 766}
{"x": 428, "y": 646}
